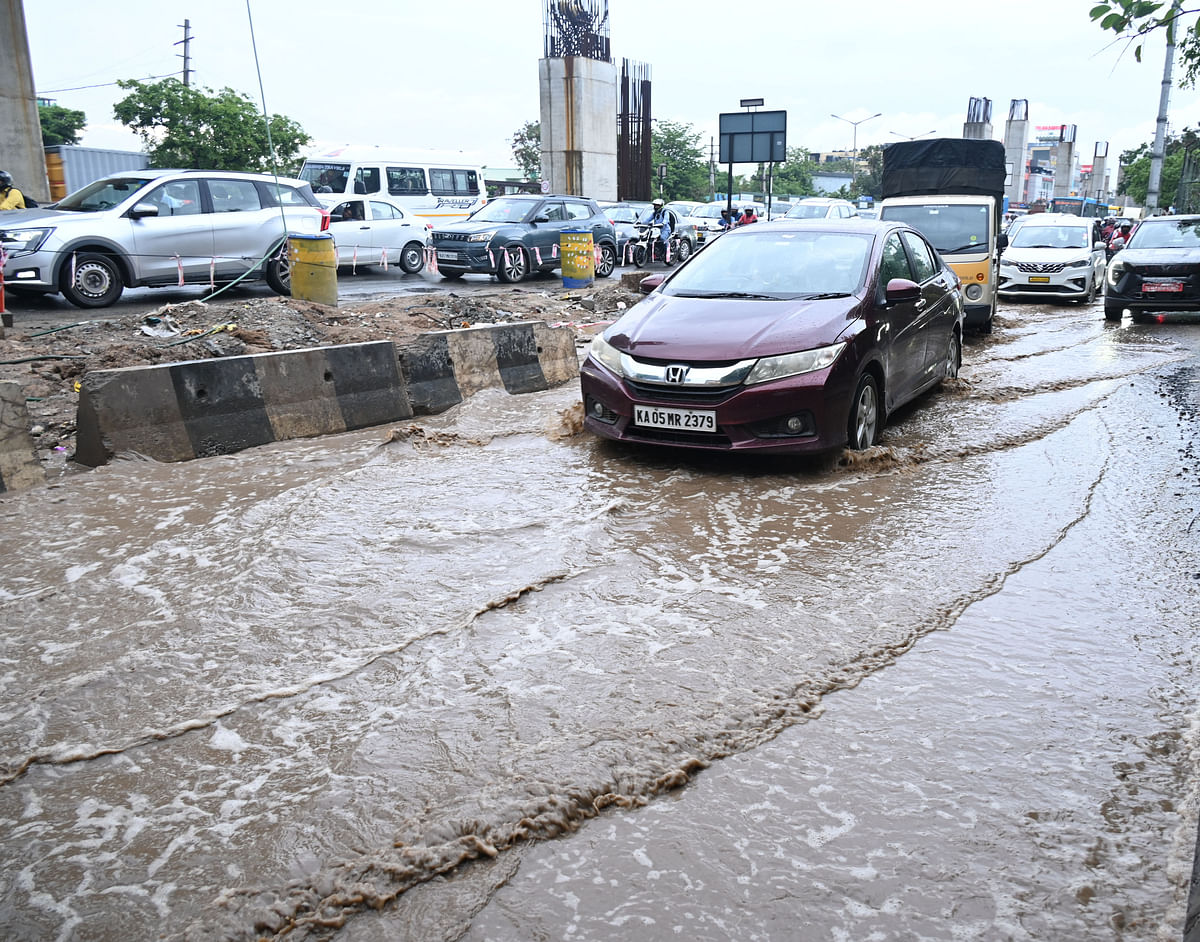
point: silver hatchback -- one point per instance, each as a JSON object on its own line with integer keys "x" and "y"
{"x": 158, "y": 227}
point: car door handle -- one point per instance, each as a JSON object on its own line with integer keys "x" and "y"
{"x": 920, "y": 305}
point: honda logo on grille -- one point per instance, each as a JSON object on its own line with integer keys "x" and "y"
{"x": 677, "y": 373}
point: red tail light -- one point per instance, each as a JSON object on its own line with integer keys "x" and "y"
{"x": 324, "y": 220}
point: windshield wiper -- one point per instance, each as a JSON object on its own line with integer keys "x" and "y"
{"x": 823, "y": 296}
{"x": 740, "y": 295}
{"x": 978, "y": 246}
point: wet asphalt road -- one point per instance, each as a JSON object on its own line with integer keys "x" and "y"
{"x": 497, "y": 680}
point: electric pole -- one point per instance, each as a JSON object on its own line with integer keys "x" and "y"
{"x": 1160, "y": 129}
{"x": 186, "y": 42}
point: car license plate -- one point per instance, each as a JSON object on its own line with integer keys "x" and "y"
{"x": 683, "y": 420}
{"x": 1162, "y": 286}
{"x": 1039, "y": 279}
{"x": 446, "y": 256}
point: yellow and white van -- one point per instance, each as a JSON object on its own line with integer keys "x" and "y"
{"x": 966, "y": 232}
{"x": 422, "y": 182}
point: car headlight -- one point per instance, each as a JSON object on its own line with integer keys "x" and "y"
{"x": 15, "y": 241}
{"x": 1116, "y": 269}
{"x": 1082, "y": 263}
{"x": 481, "y": 236}
{"x": 793, "y": 364}
{"x": 604, "y": 352}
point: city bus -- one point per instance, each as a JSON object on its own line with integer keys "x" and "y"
{"x": 1084, "y": 206}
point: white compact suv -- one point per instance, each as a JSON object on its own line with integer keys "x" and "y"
{"x": 158, "y": 227}
{"x": 1058, "y": 257}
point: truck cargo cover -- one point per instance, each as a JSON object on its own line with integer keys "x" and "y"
{"x": 944, "y": 165}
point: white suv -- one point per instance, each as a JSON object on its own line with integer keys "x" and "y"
{"x": 1059, "y": 257}
{"x": 158, "y": 227}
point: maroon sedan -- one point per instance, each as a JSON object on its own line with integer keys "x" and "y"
{"x": 789, "y": 337}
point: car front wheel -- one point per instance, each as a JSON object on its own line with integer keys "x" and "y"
{"x": 864, "y": 414}
{"x": 91, "y": 280}
{"x": 953, "y": 361}
{"x": 514, "y": 265}
{"x": 685, "y": 251}
{"x": 1113, "y": 311}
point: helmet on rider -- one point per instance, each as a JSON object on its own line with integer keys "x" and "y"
{"x": 5, "y": 179}
{"x": 657, "y": 204}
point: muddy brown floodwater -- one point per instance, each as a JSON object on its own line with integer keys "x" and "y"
{"x": 482, "y": 677}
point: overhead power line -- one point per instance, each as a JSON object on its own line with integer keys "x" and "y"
{"x": 77, "y": 88}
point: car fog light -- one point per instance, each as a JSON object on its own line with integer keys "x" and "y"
{"x": 597, "y": 408}
{"x": 796, "y": 424}
{"x": 974, "y": 292}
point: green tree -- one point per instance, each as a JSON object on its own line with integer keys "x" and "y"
{"x": 795, "y": 175}
{"x": 186, "y": 127}
{"x": 677, "y": 145}
{"x": 1135, "y": 163}
{"x": 869, "y": 180}
{"x": 60, "y": 125}
{"x": 527, "y": 149}
{"x": 1135, "y": 20}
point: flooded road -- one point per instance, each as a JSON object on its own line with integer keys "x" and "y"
{"x": 478, "y": 677}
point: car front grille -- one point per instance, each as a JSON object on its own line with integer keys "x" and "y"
{"x": 450, "y": 236}
{"x": 1040, "y": 268}
{"x": 709, "y": 440}
{"x": 698, "y": 395}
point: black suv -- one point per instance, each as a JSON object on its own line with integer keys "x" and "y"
{"x": 513, "y": 236}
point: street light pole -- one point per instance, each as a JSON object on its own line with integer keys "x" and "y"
{"x": 854, "y": 158}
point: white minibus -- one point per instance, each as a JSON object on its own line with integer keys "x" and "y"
{"x": 423, "y": 183}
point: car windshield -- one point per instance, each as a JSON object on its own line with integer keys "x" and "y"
{"x": 771, "y": 264}
{"x": 950, "y": 227}
{"x": 320, "y": 175}
{"x": 808, "y": 211}
{"x": 1167, "y": 234}
{"x": 502, "y": 210}
{"x": 621, "y": 214}
{"x": 711, "y": 211}
{"x": 101, "y": 195}
{"x": 1052, "y": 237}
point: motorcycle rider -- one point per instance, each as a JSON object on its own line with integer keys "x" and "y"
{"x": 659, "y": 216}
{"x": 10, "y": 196}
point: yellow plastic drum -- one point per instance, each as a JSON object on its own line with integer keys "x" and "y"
{"x": 314, "y": 267}
{"x": 578, "y": 258}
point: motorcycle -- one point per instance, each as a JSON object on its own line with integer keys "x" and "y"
{"x": 647, "y": 246}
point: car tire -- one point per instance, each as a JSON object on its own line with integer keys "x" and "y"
{"x": 513, "y": 266}
{"x": 862, "y": 428}
{"x": 278, "y": 271}
{"x": 685, "y": 251}
{"x": 1113, "y": 311}
{"x": 1090, "y": 298}
{"x": 953, "y": 359}
{"x": 608, "y": 261}
{"x": 93, "y": 280}
{"x": 412, "y": 258}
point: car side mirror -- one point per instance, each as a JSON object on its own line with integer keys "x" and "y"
{"x": 1002, "y": 241}
{"x": 541, "y": 217}
{"x": 1099, "y": 245}
{"x": 900, "y": 290}
{"x": 650, "y": 282}
{"x": 143, "y": 209}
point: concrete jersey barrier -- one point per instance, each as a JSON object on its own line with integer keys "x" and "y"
{"x": 200, "y": 408}
{"x": 19, "y": 465}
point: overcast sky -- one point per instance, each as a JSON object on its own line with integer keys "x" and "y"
{"x": 463, "y": 76}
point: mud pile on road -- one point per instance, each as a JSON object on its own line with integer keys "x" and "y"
{"x": 48, "y": 363}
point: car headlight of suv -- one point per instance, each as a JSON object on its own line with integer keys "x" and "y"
{"x": 19, "y": 241}
{"x": 604, "y": 352}
{"x": 793, "y": 364}
{"x": 481, "y": 236}
{"x": 1082, "y": 263}
{"x": 1116, "y": 269}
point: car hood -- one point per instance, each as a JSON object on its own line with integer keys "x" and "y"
{"x": 1045, "y": 256}
{"x": 20, "y": 218}
{"x": 470, "y": 227}
{"x": 665, "y": 327}
{"x": 1143, "y": 258}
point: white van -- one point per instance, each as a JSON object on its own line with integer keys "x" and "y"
{"x": 421, "y": 182}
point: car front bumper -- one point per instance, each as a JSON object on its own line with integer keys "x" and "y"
{"x": 1068, "y": 284}
{"x": 748, "y": 418}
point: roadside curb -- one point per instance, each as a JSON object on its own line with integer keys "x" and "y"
{"x": 19, "y": 466}
{"x": 201, "y": 408}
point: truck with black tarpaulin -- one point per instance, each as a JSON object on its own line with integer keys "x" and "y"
{"x": 952, "y": 191}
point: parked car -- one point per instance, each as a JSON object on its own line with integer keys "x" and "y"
{"x": 1053, "y": 256}
{"x": 374, "y": 230}
{"x": 513, "y": 236}
{"x": 1158, "y": 271}
{"x": 793, "y": 337}
{"x": 158, "y": 227}
{"x": 821, "y": 207}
